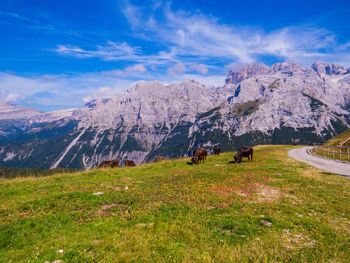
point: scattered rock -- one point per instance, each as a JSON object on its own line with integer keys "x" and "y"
{"x": 98, "y": 193}
{"x": 266, "y": 223}
{"x": 126, "y": 188}
{"x": 60, "y": 251}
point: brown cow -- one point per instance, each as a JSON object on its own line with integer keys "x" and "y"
{"x": 199, "y": 154}
{"x": 129, "y": 163}
{"x": 159, "y": 158}
{"x": 216, "y": 150}
{"x": 109, "y": 164}
{"x": 244, "y": 152}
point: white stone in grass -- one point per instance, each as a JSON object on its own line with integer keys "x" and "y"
{"x": 126, "y": 188}
{"x": 287, "y": 231}
{"x": 98, "y": 193}
{"x": 60, "y": 251}
{"x": 266, "y": 223}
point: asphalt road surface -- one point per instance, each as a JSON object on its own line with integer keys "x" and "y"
{"x": 332, "y": 166}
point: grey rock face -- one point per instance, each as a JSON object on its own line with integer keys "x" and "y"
{"x": 285, "y": 67}
{"x": 246, "y": 71}
{"x": 324, "y": 68}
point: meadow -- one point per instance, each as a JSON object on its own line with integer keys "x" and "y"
{"x": 274, "y": 209}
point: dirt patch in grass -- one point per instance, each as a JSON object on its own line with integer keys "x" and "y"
{"x": 224, "y": 190}
{"x": 104, "y": 208}
{"x": 267, "y": 194}
{"x": 255, "y": 192}
{"x": 296, "y": 240}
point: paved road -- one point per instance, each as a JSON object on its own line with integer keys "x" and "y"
{"x": 332, "y": 166}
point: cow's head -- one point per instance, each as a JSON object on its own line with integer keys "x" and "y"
{"x": 238, "y": 158}
{"x": 195, "y": 160}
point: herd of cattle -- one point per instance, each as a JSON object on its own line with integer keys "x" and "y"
{"x": 199, "y": 155}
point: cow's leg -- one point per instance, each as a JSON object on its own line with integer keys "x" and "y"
{"x": 251, "y": 157}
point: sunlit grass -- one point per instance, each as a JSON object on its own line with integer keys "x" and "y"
{"x": 175, "y": 212}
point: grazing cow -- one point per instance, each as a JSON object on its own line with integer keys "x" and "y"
{"x": 244, "y": 152}
{"x": 109, "y": 164}
{"x": 198, "y": 155}
{"x": 159, "y": 159}
{"x": 129, "y": 163}
{"x": 216, "y": 150}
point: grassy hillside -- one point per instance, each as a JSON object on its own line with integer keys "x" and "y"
{"x": 339, "y": 139}
{"x": 274, "y": 209}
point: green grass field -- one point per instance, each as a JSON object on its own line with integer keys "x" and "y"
{"x": 339, "y": 139}
{"x": 274, "y": 209}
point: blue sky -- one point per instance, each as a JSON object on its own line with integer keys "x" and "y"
{"x": 61, "y": 54}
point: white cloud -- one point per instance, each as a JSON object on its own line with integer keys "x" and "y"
{"x": 196, "y": 38}
{"x": 12, "y": 97}
{"x": 136, "y": 68}
{"x": 206, "y": 38}
{"x": 61, "y": 91}
{"x": 177, "y": 69}
{"x": 111, "y": 51}
{"x": 200, "y": 68}
{"x": 128, "y": 71}
{"x": 103, "y": 92}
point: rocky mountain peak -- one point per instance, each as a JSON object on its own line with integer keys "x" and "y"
{"x": 149, "y": 103}
{"x": 285, "y": 66}
{"x": 324, "y": 68}
{"x": 8, "y": 111}
{"x": 246, "y": 71}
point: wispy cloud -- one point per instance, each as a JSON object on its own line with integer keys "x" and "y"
{"x": 59, "y": 91}
{"x": 103, "y": 93}
{"x": 187, "y": 38}
{"x": 177, "y": 69}
{"x": 137, "y": 68}
{"x": 112, "y": 51}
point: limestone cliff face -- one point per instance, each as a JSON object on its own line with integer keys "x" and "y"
{"x": 324, "y": 68}
{"x": 246, "y": 71}
{"x": 283, "y": 103}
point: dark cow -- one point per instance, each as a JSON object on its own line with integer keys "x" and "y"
{"x": 216, "y": 150}
{"x": 199, "y": 154}
{"x": 244, "y": 152}
{"x": 109, "y": 164}
{"x": 129, "y": 163}
{"x": 159, "y": 159}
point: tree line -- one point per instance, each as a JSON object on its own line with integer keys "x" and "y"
{"x": 26, "y": 172}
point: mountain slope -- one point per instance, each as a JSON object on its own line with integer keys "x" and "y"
{"x": 285, "y": 103}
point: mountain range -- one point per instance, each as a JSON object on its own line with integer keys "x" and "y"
{"x": 282, "y": 104}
